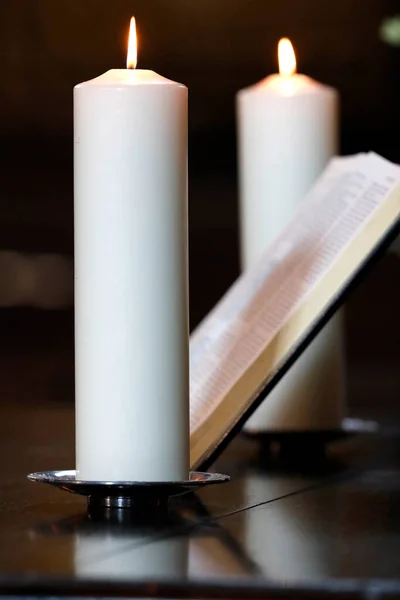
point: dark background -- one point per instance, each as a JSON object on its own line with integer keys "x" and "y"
{"x": 215, "y": 47}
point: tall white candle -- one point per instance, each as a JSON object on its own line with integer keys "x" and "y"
{"x": 131, "y": 308}
{"x": 287, "y": 126}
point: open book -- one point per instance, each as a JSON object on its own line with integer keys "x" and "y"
{"x": 256, "y": 331}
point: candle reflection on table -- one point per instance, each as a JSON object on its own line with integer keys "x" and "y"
{"x": 130, "y": 556}
{"x": 287, "y": 537}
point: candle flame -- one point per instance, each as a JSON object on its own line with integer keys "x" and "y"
{"x": 131, "y": 59}
{"x": 286, "y": 57}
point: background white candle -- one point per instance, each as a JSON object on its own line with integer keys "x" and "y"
{"x": 131, "y": 309}
{"x": 287, "y": 127}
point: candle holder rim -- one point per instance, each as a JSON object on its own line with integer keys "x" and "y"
{"x": 126, "y": 493}
{"x": 196, "y": 478}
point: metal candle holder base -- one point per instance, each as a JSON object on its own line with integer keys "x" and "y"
{"x": 293, "y": 438}
{"x": 305, "y": 451}
{"x": 141, "y": 495}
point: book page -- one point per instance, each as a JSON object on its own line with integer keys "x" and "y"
{"x": 265, "y": 299}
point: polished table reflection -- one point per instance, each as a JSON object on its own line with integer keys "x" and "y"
{"x": 304, "y": 519}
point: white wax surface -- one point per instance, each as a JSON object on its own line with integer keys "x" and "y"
{"x": 287, "y": 132}
{"x": 311, "y": 396}
{"x": 131, "y": 309}
{"x": 288, "y": 127}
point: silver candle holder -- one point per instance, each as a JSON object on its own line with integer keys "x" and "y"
{"x": 140, "y": 495}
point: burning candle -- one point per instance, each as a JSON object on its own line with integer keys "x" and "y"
{"x": 287, "y": 126}
{"x": 131, "y": 307}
